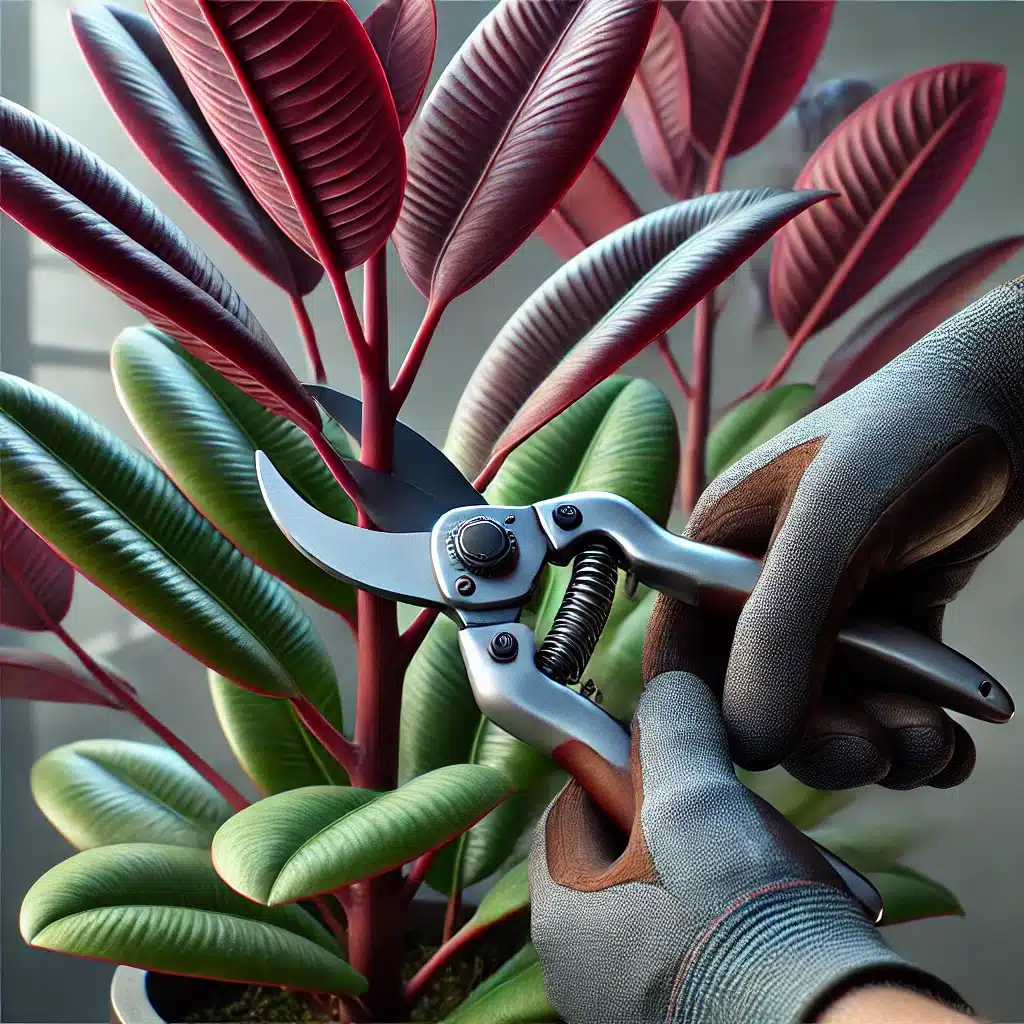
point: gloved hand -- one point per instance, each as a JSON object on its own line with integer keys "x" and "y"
{"x": 883, "y": 501}
{"x": 718, "y": 910}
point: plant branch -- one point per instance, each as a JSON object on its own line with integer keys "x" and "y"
{"x": 673, "y": 366}
{"x": 415, "y": 633}
{"x": 308, "y": 334}
{"x": 795, "y": 344}
{"x": 414, "y": 357}
{"x": 337, "y": 466}
{"x": 126, "y": 698}
{"x": 349, "y": 314}
{"x": 375, "y": 301}
{"x": 699, "y": 412}
{"x": 452, "y": 911}
{"x": 330, "y": 920}
{"x": 423, "y": 977}
{"x": 418, "y": 871}
{"x": 343, "y": 750}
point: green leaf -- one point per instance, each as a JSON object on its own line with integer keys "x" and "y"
{"x": 754, "y": 421}
{"x": 509, "y": 895}
{"x": 270, "y": 742}
{"x": 804, "y": 807}
{"x": 205, "y": 433}
{"x": 875, "y": 845}
{"x": 115, "y": 516}
{"x": 99, "y": 792}
{"x": 909, "y": 895}
{"x": 620, "y": 437}
{"x": 519, "y": 999}
{"x": 163, "y": 908}
{"x": 309, "y": 841}
{"x": 521, "y": 961}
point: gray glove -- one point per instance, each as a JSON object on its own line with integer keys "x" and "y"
{"x": 884, "y": 501}
{"x": 718, "y": 910}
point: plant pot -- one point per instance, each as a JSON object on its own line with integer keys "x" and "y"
{"x": 147, "y": 997}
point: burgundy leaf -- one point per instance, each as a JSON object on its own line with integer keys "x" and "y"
{"x": 404, "y": 34}
{"x": 596, "y": 205}
{"x": 747, "y": 61}
{"x": 658, "y": 111}
{"x": 145, "y": 90}
{"x": 512, "y": 122}
{"x": 32, "y": 675}
{"x": 571, "y": 303}
{"x": 64, "y": 194}
{"x": 897, "y": 161}
{"x": 662, "y": 297}
{"x": 297, "y": 97}
{"x": 911, "y": 314}
{"x": 29, "y": 563}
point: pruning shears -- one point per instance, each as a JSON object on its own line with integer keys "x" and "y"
{"x": 441, "y": 545}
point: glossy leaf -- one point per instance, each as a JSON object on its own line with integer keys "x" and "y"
{"x": 519, "y": 999}
{"x": 908, "y": 894}
{"x": 508, "y": 896}
{"x": 873, "y": 846}
{"x": 269, "y": 741}
{"x": 802, "y": 806}
{"x": 32, "y": 675}
{"x": 404, "y": 34}
{"x": 533, "y": 91}
{"x": 297, "y": 97}
{"x": 163, "y": 908}
{"x": 145, "y": 90}
{"x": 819, "y": 111}
{"x": 747, "y": 63}
{"x": 101, "y": 792}
{"x": 661, "y": 297}
{"x": 572, "y": 302}
{"x": 117, "y": 518}
{"x": 909, "y": 315}
{"x": 310, "y": 841}
{"x": 521, "y": 961}
{"x": 205, "y": 433}
{"x": 29, "y": 566}
{"x": 755, "y": 420}
{"x": 897, "y": 161}
{"x": 69, "y": 198}
{"x": 595, "y": 206}
{"x": 658, "y": 111}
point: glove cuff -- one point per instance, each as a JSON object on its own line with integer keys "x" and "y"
{"x": 784, "y": 954}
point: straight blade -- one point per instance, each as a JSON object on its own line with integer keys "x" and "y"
{"x": 396, "y": 566}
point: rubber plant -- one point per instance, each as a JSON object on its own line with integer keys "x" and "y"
{"x": 299, "y": 134}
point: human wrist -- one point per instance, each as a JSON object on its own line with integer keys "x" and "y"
{"x": 783, "y": 955}
{"x": 892, "y": 1004}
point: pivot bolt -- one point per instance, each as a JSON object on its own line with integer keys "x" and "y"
{"x": 484, "y": 546}
{"x": 503, "y": 647}
{"x": 568, "y": 517}
{"x": 465, "y": 585}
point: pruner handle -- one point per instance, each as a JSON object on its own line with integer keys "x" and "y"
{"x": 579, "y": 736}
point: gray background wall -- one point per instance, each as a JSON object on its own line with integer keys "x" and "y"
{"x": 58, "y": 325}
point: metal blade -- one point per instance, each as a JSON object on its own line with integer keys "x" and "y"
{"x": 393, "y": 565}
{"x": 414, "y": 459}
{"x": 393, "y": 504}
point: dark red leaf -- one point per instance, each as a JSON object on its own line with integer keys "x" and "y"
{"x": 512, "y": 122}
{"x": 909, "y": 315}
{"x": 404, "y": 34}
{"x": 145, "y": 90}
{"x": 658, "y": 111}
{"x": 569, "y": 305}
{"x": 752, "y": 56}
{"x": 596, "y": 205}
{"x": 68, "y": 197}
{"x": 32, "y": 675}
{"x": 897, "y": 161}
{"x": 297, "y": 97}
{"x": 662, "y": 297}
{"x": 27, "y": 562}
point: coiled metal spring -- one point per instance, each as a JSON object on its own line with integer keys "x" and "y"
{"x": 565, "y": 651}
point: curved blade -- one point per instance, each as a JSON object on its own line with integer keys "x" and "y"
{"x": 392, "y": 565}
{"x": 393, "y": 504}
{"x": 414, "y": 459}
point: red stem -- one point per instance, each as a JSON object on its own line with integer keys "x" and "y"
{"x": 343, "y": 750}
{"x": 795, "y": 344}
{"x": 414, "y": 357}
{"x": 423, "y": 977}
{"x": 375, "y": 908}
{"x": 337, "y": 467}
{"x": 673, "y": 366}
{"x": 452, "y": 911}
{"x": 418, "y": 872}
{"x": 330, "y": 920}
{"x": 127, "y": 699}
{"x": 415, "y": 633}
{"x": 308, "y": 334}
{"x": 699, "y": 411}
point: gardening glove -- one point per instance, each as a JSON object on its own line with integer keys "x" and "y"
{"x": 717, "y": 910}
{"x": 883, "y": 503}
